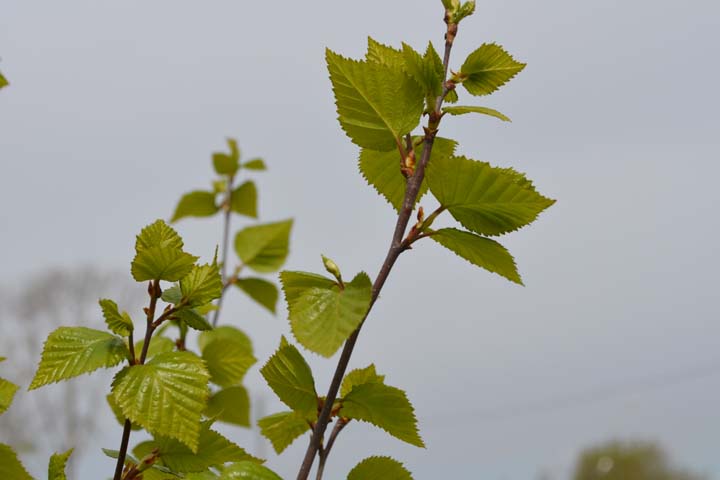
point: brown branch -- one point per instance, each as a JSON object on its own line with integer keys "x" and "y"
{"x": 325, "y": 452}
{"x": 397, "y": 246}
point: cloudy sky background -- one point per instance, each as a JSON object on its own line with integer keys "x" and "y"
{"x": 115, "y": 107}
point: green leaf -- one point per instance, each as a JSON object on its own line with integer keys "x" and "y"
{"x": 119, "y": 416}
{"x": 225, "y": 331}
{"x": 248, "y": 471}
{"x": 213, "y": 450}
{"x": 255, "y": 164}
{"x": 72, "y": 351}
{"x": 487, "y": 69}
{"x": 425, "y": 71}
{"x": 176, "y": 380}
{"x": 195, "y": 204}
{"x": 159, "y": 255}
{"x": 385, "y": 407}
{"x": 452, "y": 96}
{"x": 3, "y": 81}
{"x": 480, "y": 251}
{"x": 118, "y": 323}
{"x": 263, "y": 292}
{"x": 7, "y": 393}
{"x": 172, "y": 295}
{"x": 158, "y": 345}
{"x": 230, "y": 405}
{"x": 227, "y": 164}
{"x": 322, "y": 314}
{"x": 283, "y": 428}
{"x": 376, "y": 468}
{"x": 244, "y": 200}
{"x": 264, "y": 248}
{"x": 385, "y": 55}
{"x": 201, "y": 285}
{"x": 290, "y": 377}
{"x": 58, "y": 462}
{"x": 10, "y": 466}
{"x": 193, "y": 319}
{"x": 382, "y": 169}
{"x": 377, "y": 104}
{"x": 228, "y": 360}
{"x": 360, "y": 376}
{"x": 482, "y": 110}
{"x": 487, "y": 200}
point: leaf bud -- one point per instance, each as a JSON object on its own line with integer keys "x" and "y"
{"x": 332, "y": 268}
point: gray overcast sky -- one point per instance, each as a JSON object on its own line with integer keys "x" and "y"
{"x": 115, "y": 107}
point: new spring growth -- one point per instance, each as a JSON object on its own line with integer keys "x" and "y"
{"x": 332, "y": 267}
{"x": 456, "y": 12}
{"x": 407, "y": 167}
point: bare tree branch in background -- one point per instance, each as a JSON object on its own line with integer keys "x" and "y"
{"x": 65, "y": 415}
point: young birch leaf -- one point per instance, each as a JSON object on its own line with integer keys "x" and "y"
{"x": 58, "y": 462}
{"x": 487, "y": 69}
{"x": 322, "y": 314}
{"x": 480, "y": 251}
{"x": 424, "y": 71}
{"x": 228, "y": 360}
{"x": 244, "y": 200}
{"x": 263, "y": 292}
{"x": 382, "y": 169}
{"x": 452, "y": 96}
{"x": 72, "y": 351}
{"x": 484, "y": 199}
{"x": 360, "y": 376}
{"x": 376, "y": 103}
{"x": 213, "y": 450}
{"x": 119, "y": 323}
{"x": 195, "y": 204}
{"x": 119, "y": 416}
{"x": 264, "y": 248}
{"x": 248, "y": 471}
{"x": 376, "y": 468}
{"x": 176, "y": 380}
{"x": 283, "y": 428}
{"x": 201, "y": 285}
{"x": 225, "y": 331}
{"x": 157, "y": 346}
{"x": 172, "y": 295}
{"x": 193, "y": 319}
{"x": 7, "y": 393}
{"x": 227, "y": 164}
{"x": 159, "y": 255}
{"x": 255, "y": 164}
{"x": 230, "y": 405}
{"x": 3, "y": 81}
{"x": 385, "y": 55}
{"x": 290, "y": 377}
{"x": 385, "y": 407}
{"x": 482, "y": 110}
{"x": 10, "y": 466}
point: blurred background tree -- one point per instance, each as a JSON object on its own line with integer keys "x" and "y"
{"x": 628, "y": 461}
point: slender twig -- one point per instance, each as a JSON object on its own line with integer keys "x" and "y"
{"x": 227, "y": 206}
{"x": 325, "y": 452}
{"x": 397, "y": 246}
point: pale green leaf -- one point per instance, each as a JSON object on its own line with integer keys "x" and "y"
{"x": 255, "y": 164}
{"x": 195, "y": 204}
{"x": 159, "y": 255}
{"x": 379, "y": 468}
{"x": 233, "y": 146}
{"x": 172, "y": 295}
{"x": 10, "y": 466}
{"x": 158, "y": 234}
{"x": 377, "y": 104}
{"x": 360, "y": 376}
{"x": 119, "y": 323}
{"x": 7, "y": 393}
{"x": 425, "y": 71}
{"x": 230, "y": 405}
{"x": 385, "y": 407}
{"x": 176, "y": 380}
{"x": 201, "y": 285}
{"x": 3, "y": 81}
{"x": 485, "y": 199}
{"x": 264, "y": 248}
{"x": 72, "y": 351}
{"x": 322, "y": 314}
{"x": 225, "y": 331}
{"x": 487, "y": 69}
{"x": 480, "y": 251}
{"x": 58, "y": 462}
{"x": 263, "y": 292}
{"x": 117, "y": 413}
{"x": 385, "y": 55}
{"x": 283, "y": 428}
{"x": 158, "y": 345}
{"x": 248, "y": 470}
{"x": 192, "y": 318}
{"x": 290, "y": 377}
{"x": 482, "y": 110}
{"x": 228, "y": 360}
{"x": 227, "y": 164}
{"x": 382, "y": 169}
{"x": 452, "y": 96}
{"x": 244, "y": 200}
